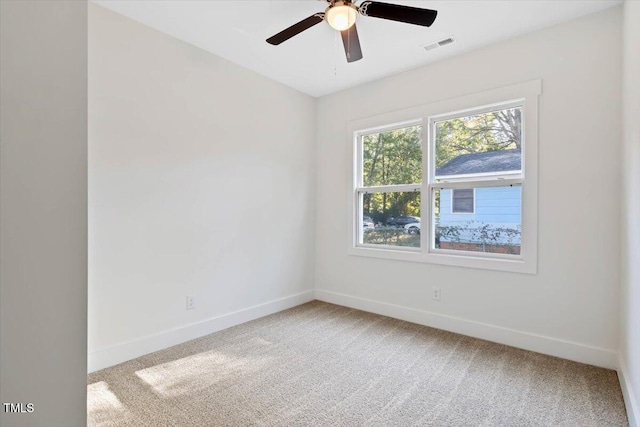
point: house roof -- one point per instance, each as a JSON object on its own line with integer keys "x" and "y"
{"x": 489, "y": 161}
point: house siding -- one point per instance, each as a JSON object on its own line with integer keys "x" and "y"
{"x": 498, "y": 206}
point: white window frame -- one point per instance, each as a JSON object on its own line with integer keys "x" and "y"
{"x": 361, "y": 190}
{"x": 522, "y": 94}
{"x": 473, "y": 198}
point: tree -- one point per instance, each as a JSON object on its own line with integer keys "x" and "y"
{"x": 496, "y": 130}
{"x": 391, "y": 158}
{"x": 395, "y": 157}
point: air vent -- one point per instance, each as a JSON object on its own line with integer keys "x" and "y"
{"x": 439, "y": 43}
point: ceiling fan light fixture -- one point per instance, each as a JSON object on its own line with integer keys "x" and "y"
{"x": 341, "y": 15}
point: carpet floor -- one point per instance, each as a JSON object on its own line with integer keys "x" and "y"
{"x": 324, "y": 365}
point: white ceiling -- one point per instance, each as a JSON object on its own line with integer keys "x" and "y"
{"x": 314, "y": 61}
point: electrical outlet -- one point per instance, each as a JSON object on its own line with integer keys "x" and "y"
{"x": 436, "y": 293}
{"x": 191, "y": 302}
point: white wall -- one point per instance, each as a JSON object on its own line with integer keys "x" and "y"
{"x": 570, "y": 308}
{"x": 201, "y": 181}
{"x": 43, "y": 212}
{"x": 630, "y": 238}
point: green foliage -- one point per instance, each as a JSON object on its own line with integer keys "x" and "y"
{"x": 488, "y": 233}
{"x": 392, "y": 157}
{"x": 382, "y": 206}
{"x": 395, "y": 157}
{"x": 448, "y": 232}
{"x": 391, "y": 236}
{"x": 497, "y": 130}
{"x": 481, "y": 233}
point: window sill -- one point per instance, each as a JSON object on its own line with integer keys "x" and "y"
{"x": 508, "y": 264}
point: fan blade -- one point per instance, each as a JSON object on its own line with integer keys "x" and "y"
{"x": 400, "y": 13}
{"x": 295, "y": 29}
{"x": 351, "y": 43}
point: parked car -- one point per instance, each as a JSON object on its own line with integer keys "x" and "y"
{"x": 401, "y": 221}
{"x": 413, "y": 228}
{"x": 367, "y": 224}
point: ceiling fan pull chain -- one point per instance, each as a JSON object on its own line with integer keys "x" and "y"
{"x": 335, "y": 54}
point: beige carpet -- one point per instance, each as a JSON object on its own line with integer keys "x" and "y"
{"x": 325, "y": 365}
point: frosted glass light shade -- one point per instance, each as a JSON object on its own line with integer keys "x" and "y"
{"x": 341, "y": 16}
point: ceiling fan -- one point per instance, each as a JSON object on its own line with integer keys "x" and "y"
{"x": 341, "y": 15}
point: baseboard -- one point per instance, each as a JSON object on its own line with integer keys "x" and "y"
{"x": 524, "y": 340}
{"x": 116, "y": 354}
{"x": 633, "y": 409}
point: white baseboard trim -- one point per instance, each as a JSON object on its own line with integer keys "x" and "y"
{"x": 633, "y": 409}
{"x": 119, "y": 353}
{"x": 524, "y": 340}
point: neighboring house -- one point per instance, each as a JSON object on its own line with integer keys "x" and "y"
{"x": 480, "y": 215}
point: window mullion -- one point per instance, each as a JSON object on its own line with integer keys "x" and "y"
{"x": 425, "y": 201}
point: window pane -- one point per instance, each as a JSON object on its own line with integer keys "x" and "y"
{"x": 462, "y": 201}
{"x": 487, "y": 143}
{"x": 396, "y": 218}
{"x": 494, "y": 227}
{"x": 392, "y": 157}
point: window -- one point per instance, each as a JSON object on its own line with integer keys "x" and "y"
{"x": 389, "y": 187}
{"x": 479, "y": 151}
{"x": 462, "y": 200}
{"x": 453, "y": 182}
